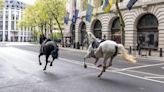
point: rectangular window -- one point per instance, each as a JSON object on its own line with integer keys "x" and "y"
{"x": 1, "y": 25}
{"x": 1, "y": 16}
{"x": 7, "y": 15}
{"x": 12, "y": 25}
{"x": 12, "y": 15}
{"x": 6, "y": 25}
{"x": 16, "y": 25}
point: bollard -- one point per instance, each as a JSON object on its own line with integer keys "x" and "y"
{"x": 160, "y": 52}
{"x": 82, "y": 46}
{"x": 78, "y": 45}
{"x": 149, "y": 52}
{"x": 139, "y": 51}
{"x": 74, "y": 45}
{"x": 130, "y": 50}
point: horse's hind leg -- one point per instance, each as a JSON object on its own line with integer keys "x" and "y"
{"x": 52, "y": 61}
{"x": 114, "y": 55}
{"x": 104, "y": 66}
{"x": 39, "y": 58}
{"x": 46, "y": 62}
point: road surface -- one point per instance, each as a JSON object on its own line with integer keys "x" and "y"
{"x": 21, "y": 72}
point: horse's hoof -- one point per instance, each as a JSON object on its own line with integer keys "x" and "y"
{"x": 50, "y": 64}
{"x": 99, "y": 65}
{"x": 99, "y": 76}
{"x": 44, "y": 69}
{"x": 40, "y": 63}
{"x": 85, "y": 66}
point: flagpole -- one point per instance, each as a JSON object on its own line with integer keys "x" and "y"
{"x": 122, "y": 24}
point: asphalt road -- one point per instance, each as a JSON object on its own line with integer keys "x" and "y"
{"x": 20, "y": 72}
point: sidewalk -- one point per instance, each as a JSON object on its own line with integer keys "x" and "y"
{"x": 144, "y": 55}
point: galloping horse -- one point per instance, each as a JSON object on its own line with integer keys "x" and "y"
{"x": 105, "y": 49}
{"x": 48, "y": 47}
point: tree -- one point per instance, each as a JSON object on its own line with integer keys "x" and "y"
{"x": 56, "y": 9}
{"x": 44, "y": 15}
{"x": 1, "y": 4}
{"x": 122, "y": 24}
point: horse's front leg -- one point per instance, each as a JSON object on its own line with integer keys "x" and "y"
{"x": 46, "y": 62}
{"x": 87, "y": 56}
{"x": 97, "y": 59}
{"x": 39, "y": 58}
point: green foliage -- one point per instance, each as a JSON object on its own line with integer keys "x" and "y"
{"x": 1, "y": 4}
{"x": 57, "y": 35}
{"x": 44, "y": 14}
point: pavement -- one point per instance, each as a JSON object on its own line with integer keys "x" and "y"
{"x": 154, "y": 55}
{"x": 144, "y": 54}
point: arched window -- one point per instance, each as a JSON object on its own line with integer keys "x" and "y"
{"x": 97, "y": 29}
{"x": 147, "y": 32}
{"x": 115, "y": 31}
{"x": 83, "y": 32}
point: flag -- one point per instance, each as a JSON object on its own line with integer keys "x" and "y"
{"x": 107, "y": 5}
{"x": 131, "y": 3}
{"x": 89, "y": 13}
{"x": 75, "y": 16}
{"x": 75, "y": 13}
{"x": 66, "y": 18}
{"x": 73, "y": 19}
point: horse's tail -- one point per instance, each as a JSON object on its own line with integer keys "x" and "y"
{"x": 125, "y": 55}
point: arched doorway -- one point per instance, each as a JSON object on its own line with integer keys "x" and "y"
{"x": 147, "y": 32}
{"x": 97, "y": 29}
{"x": 82, "y": 32}
{"x": 72, "y": 33}
{"x": 115, "y": 31}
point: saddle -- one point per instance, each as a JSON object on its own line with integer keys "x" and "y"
{"x": 96, "y": 44}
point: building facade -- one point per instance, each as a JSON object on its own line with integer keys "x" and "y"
{"x": 144, "y": 23}
{"x": 10, "y": 14}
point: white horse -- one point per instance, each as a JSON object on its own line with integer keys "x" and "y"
{"x": 105, "y": 49}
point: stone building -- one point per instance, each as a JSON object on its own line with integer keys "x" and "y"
{"x": 10, "y": 14}
{"x": 144, "y": 23}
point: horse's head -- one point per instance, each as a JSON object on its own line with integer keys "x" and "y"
{"x": 54, "y": 53}
{"x": 42, "y": 39}
{"x": 92, "y": 38}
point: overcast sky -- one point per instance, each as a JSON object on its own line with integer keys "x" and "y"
{"x": 28, "y": 1}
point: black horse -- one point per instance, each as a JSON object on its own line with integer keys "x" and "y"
{"x": 48, "y": 47}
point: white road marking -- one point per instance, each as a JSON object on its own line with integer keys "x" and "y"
{"x": 155, "y": 77}
{"x": 162, "y": 67}
{"x": 129, "y": 68}
{"x": 91, "y": 66}
{"x": 152, "y": 74}
{"x": 162, "y": 82}
{"x": 114, "y": 71}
